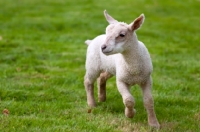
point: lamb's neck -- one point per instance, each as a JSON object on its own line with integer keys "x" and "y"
{"x": 133, "y": 51}
{"x": 132, "y": 56}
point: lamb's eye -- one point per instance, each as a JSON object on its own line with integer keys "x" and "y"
{"x": 121, "y": 35}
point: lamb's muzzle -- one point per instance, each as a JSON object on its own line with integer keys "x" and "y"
{"x": 119, "y": 53}
{"x": 106, "y": 50}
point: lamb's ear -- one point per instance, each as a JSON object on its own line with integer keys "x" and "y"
{"x": 137, "y": 22}
{"x": 109, "y": 18}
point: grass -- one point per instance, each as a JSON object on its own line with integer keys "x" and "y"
{"x": 42, "y": 56}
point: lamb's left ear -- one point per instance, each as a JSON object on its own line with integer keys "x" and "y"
{"x": 137, "y": 23}
{"x": 109, "y": 18}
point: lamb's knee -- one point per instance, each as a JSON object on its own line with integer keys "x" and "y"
{"x": 87, "y": 83}
{"x": 148, "y": 102}
{"x": 129, "y": 102}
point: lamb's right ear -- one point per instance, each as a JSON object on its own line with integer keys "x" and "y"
{"x": 137, "y": 22}
{"x": 109, "y": 18}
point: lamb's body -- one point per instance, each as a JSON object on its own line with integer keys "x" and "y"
{"x": 136, "y": 71}
{"x": 119, "y": 53}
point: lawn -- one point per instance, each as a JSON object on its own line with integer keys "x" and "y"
{"x": 42, "y": 65}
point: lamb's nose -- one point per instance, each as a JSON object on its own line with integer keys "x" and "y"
{"x": 103, "y": 47}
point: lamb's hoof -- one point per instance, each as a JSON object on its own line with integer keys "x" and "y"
{"x": 92, "y": 104}
{"x": 130, "y": 112}
{"x": 102, "y": 99}
{"x": 154, "y": 125}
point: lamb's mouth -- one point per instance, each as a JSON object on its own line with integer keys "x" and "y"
{"x": 107, "y": 52}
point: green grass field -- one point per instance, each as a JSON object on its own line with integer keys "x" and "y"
{"x": 42, "y": 65}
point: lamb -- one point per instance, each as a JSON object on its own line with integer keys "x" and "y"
{"x": 119, "y": 53}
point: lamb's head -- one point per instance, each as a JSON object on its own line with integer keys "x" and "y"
{"x": 119, "y": 34}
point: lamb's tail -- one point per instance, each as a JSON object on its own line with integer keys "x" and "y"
{"x": 88, "y": 42}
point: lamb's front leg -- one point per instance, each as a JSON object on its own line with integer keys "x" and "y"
{"x": 128, "y": 99}
{"x": 149, "y": 103}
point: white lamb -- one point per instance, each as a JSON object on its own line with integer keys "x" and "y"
{"x": 119, "y": 53}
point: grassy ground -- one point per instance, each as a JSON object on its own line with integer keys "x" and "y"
{"x": 42, "y": 56}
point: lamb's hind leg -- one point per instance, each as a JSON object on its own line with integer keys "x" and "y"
{"x": 89, "y": 87}
{"x": 149, "y": 103}
{"x": 128, "y": 99}
{"x": 104, "y": 76}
